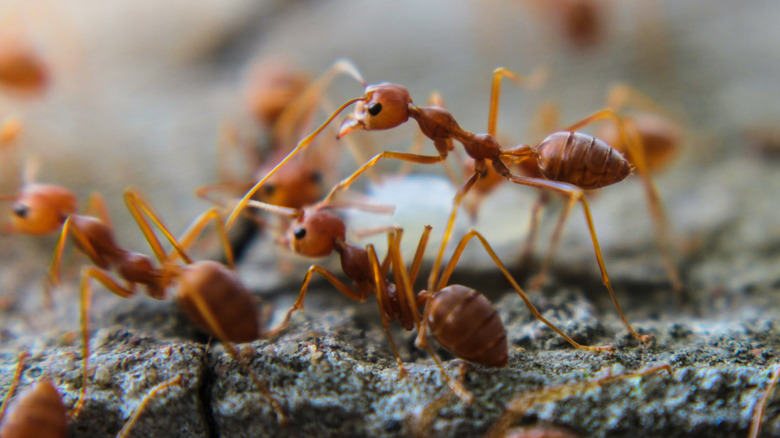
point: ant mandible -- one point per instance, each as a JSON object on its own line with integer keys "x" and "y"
{"x": 39, "y": 412}
{"x": 211, "y": 294}
{"x": 571, "y": 162}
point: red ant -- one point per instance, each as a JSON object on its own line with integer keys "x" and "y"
{"x": 317, "y": 232}
{"x": 39, "y": 411}
{"x": 656, "y": 139}
{"x": 211, "y": 294}
{"x": 284, "y": 100}
{"x": 570, "y": 161}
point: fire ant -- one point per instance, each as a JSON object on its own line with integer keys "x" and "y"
{"x": 40, "y": 412}
{"x": 571, "y": 162}
{"x": 211, "y": 294}
{"x": 443, "y": 310}
{"x": 517, "y": 407}
{"x": 656, "y": 140}
{"x": 284, "y": 100}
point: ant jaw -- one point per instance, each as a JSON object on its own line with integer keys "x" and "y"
{"x": 351, "y": 123}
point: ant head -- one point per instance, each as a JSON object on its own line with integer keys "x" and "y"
{"x": 316, "y": 232}
{"x": 41, "y": 209}
{"x": 292, "y": 186}
{"x": 384, "y": 106}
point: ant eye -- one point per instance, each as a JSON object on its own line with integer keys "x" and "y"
{"x": 21, "y": 210}
{"x": 299, "y": 233}
{"x": 269, "y": 189}
{"x": 375, "y": 108}
{"x": 316, "y": 177}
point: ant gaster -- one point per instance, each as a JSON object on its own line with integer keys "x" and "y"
{"x": 210, "y": 293}
{"x": 444, "y": 311}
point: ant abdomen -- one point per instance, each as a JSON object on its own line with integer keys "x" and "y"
{"x": 465, "y": 323}
{"x": 37, "y": 412}
{"x": 210, "y": 285}
{"x": 582, "y": 160}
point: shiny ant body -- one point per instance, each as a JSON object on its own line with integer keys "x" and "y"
{"x": 571, "y": 162}
{"x": 210, "y": 293}
{"x": 460, "y": 318}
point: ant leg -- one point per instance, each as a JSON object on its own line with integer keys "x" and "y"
{"x": 533, "y": 81}
{"x": 539, "y": 279}
{"x": 448, "y": 230}
{"x": 302, "y": 144}
{"x": 109, "y": 283}
{"x": 422, "y": 342}
{"x": 53, "y": 277}
{"x": 414, "y": 158}
{"x": 435, "y": 99}
{"x": 14, "y": 382}
{"x": 758, "y": 413}
{"x": 517, "y": 407}
{"x": 123, "y": 433}
{"x": 206, "y": 192}
{"x": 138, "y": 207}
{"x": 352, "y": 146}
{"x": 303, "y": 107}
{"x": 576, "y": 193}
{"x": 660, "y": 218}
{"x": 621, "y": 95}
{"x": 383, "y": 301}
{"x": 214, "y": 326}
{"x": 196, "y": 229}
{"x": 418, "y": 255}
{"x": 533, "y": 229}
{"x": 454, "y": 261}
{"x": 96, "y": 206}
{"x": 298, "y": 305}
{"x": 408, "y": 314}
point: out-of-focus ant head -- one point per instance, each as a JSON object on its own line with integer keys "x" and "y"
{"x": 41, "y": 209}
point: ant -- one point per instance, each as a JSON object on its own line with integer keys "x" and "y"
{"x": 571, "y": 162}
{"x": 40, "y": 412}
{"x": 517, "y": 407}
{"x": 656, "y": 140}
{"x": 444, "y": 311}
{"x": 283, "y": 100}
{"x": 210, "y": 293}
